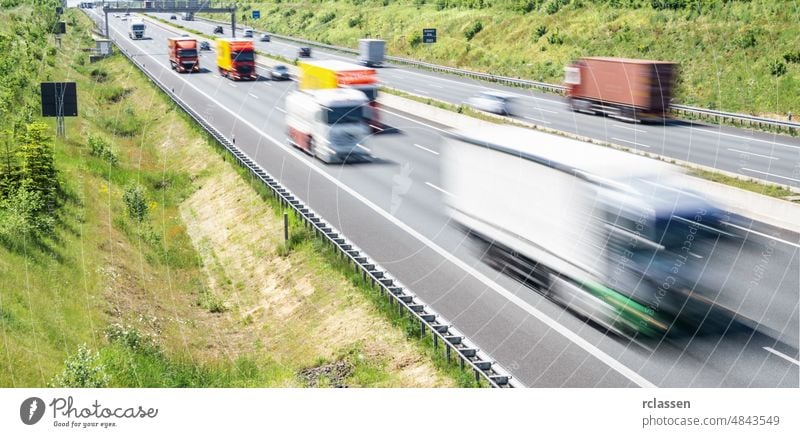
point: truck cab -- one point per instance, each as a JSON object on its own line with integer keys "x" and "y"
{"x": 236, "y": 59}
{"x": 328, "y": 124}
{"x": 136, "y": 30}
{"x": 183, "y": 56}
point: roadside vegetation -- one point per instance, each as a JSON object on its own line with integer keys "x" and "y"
{"x": 152, "y": 262}
{"x": 735, "y": 55}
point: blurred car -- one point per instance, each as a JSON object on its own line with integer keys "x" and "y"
{"x": 204, "y": 45}
{"x": 116, "y": 15}
{"x": 219, "y": 30}
{"x": 495, "y": 102}
{"x": 264, "y": 37}
{"x": 279, "y": 72}
{"x": 173, "y": 17}
{"x": 304, "y": 52}
{"x": 248, "y": 33}
{"x": 124, "y": 18}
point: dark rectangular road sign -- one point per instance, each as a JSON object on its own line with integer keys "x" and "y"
{"x": 429, "y": 36}
{"x": 59, "y": 99}
{"x": 256, "y": 15}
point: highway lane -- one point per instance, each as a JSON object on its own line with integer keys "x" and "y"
{"x": 754, "y": 154}
{"x": 537, "y": 356}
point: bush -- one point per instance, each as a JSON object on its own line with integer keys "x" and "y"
{"x": 135, "y": 202}
{"x": 99, "y": 75}
{"x": 777, "y": 68}
{"x": 474, "y": 30}
{"x": 130, "y": 337}
{"x": 355, "y": 21}
{"x": 554, "y": 6}
{"x": 540, "y": 31}
{"x": 327, "y": 18}
{"x": 100, "y": 148}
{"x": 746, "y": 40}
{"x": 792, "y": 57}
{"x": 22, "y": 215}
{"x": 555, "y": 39}
{"x": 82, "y": 370}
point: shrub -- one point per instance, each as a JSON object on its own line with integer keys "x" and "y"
{"x": 540, "y": 31}
{"x": 792, "y": 57}
{"x": 82, "y": 370}
{"x": 100, "y": 148}
{"x": 777, "y": 68}
{"x": 327, "y": 18}
{"x": 355, "y": 21}
{"x": 554, "y": 6}
{"x": 746, "y": 40}
{"x": 135, "y": 202}
{"x": 130, "y": 337}
{"x": 473, "y": 30}
{"x": 99, "y": 75}
{"x": 555, "y": 39}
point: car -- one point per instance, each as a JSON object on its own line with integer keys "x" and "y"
{"x": 173, "y": 17}
{"x": 495, "y": 102}
{"x": 304, "y": 52}
{"x": 204, "y": 45}
{"x": 116, "y": 15}
{"x": 124, "y": 18}
{"x": 264, "y": 37}
{"x": 248, "y": 33}
{"x": 279, "y": 72}
{"x": 184, "y": 35}
{"x": 219, "y": 30}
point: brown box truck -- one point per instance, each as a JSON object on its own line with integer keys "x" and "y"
{"x": 183, "y": 55}
{"x": 629, "y": 89}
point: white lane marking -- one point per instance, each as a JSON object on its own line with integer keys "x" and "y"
{"x": 425, "y": 149}
{"x": 763, "y": 235}
{"x": 784, "y": 356}
{"x": 412, "y": 120}
{"x": 774, "y": 143}
{"x": 232, "y": 84}
{"x": 630, "y": 142}
{"x": 442, "y": 190}
{"x": 546, "y": 110}
{"x": 751, "y": 153}
{"x": 435, "y": 86}
{"x": 535, "y": 119}
{"x": 770, "y": 174}
{"x": 280, "y": 109}
{"x": 417, "y": 90}
{"x": 364, "y": 148}
{"x": 630, "y": 128}
{"x": 513, "y": 298}
{"x": 252, "y": 95}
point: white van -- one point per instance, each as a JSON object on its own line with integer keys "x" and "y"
{"x": 328, "y": 124}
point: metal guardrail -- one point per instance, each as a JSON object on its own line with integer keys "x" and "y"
{"x": 559, "y": 89}
{"x": 404, "y": 300}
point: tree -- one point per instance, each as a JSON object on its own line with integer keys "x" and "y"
{"x": 37, "y": 171}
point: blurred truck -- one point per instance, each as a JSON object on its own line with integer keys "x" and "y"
{"x": 327, "y": 74}
{"x": 628, "y": 89}
{"x": 609, "y": 235}
{"x": 328, "y": 124}
{"x": 183, "y": 54}
{"x": 236, "y": 58}
{"x": 136, "y": 29}
{"x": 371, "y": 52}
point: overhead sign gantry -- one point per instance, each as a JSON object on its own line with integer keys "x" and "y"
{"x": 168, "y": 6}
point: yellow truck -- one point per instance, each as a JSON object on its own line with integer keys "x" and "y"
{"x": 236, "y": 58}
{"x": 327, "y": 74}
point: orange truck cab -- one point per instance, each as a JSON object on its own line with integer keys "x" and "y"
{"x": 183, "y": 54}
{"x": 236, "y": 58}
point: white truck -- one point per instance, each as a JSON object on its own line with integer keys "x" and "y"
{"x": 136, "y": 29}
{"x": 607, "y": 234}
{"x": 371, "y": 52}
{"x": 328, "y": 124}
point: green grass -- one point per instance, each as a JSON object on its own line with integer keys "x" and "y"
{"x": 738, "y": 56}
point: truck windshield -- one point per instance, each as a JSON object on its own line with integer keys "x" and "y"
{"x": 343, "y": 114}
{"x": 138, "y": 27}
{"x": 243, "y": 56}
{"x": 187, "y": 53}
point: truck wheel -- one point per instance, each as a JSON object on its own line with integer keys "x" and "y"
{"x": 312, "y": 147}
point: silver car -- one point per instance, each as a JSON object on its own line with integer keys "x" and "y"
{"x": 495, "y": 102}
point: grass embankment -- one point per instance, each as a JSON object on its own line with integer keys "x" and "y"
{"x": 168, "y": 270}
{"x": 738, "y": 56}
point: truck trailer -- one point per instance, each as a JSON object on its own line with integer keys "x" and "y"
{"x": 371, "y": 52}
{"x": 136, "y": 29}
{"x": 328, "y": 123}
{"x": 183, "y": 54}
{"x": 328, "y": 74}
{"x": 607, "y": 234}
{"x": 236, "y": 58}
{"x": 628, "y": 89}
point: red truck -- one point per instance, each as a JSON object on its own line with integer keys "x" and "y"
{"x": 629, "y": 89}
{"x": 183, "y": 54}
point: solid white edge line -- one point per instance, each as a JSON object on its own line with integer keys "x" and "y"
{"x": 516, "y": 300}
{"x": 442, "y": 190}
{"x": 630, "y": 142}
{"x": 782, "y": 355}
{"x": 770, "y": 174}
{"x": 751, "y": 153}
{"x": 629, "y": 128}
{"x": 764, "y": 235}
{"x": 535, "y": 119}
{"x": 425, "y": 149}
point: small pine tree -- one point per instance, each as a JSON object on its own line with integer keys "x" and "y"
{"x": 37, "y": 170}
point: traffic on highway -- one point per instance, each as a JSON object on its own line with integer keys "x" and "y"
{"x": 572, "y": 264}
